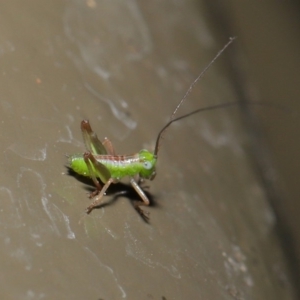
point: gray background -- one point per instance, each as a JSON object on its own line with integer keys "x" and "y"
{"x": 225, "y": 221}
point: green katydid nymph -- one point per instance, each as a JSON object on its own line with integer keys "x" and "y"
{"x": 101, "y": 162}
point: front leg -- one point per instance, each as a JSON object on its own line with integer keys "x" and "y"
{"x": 142, "y": 183}
{"x": 145, "y": 202}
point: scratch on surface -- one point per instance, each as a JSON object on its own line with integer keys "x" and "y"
{"x": 52, "y": 218}
{"x": 137, "y": 250}
{"x": 119, "y": 114}
{"x": 112, "y": 234}
{"x": 69, "y": 138}
{"x": 27, "y": 152}
{"x": 55, "y": 215}
{"x": 14, "y": 215}
{"x": 110, "y": 270}
{"x": 70, "y": 233}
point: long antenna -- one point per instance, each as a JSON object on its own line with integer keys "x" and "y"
{"x": 162, "y": 131}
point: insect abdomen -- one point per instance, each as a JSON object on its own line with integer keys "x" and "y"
{"x": 78, "y": 165}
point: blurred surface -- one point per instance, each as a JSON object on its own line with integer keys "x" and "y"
{"x": 124, "y": 66}
{"x": 269, "y": 38}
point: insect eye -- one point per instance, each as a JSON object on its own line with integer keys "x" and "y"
{"x": 147, "y": 165}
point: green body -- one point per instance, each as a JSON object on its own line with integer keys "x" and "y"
{"x": 119, "y": 166}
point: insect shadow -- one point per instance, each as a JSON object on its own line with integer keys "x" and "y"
{"x": 117, "y": 190}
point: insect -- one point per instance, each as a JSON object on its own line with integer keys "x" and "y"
{"x": 101, "y": 162}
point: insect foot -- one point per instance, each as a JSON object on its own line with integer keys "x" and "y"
{"x": 144, "y": 214}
